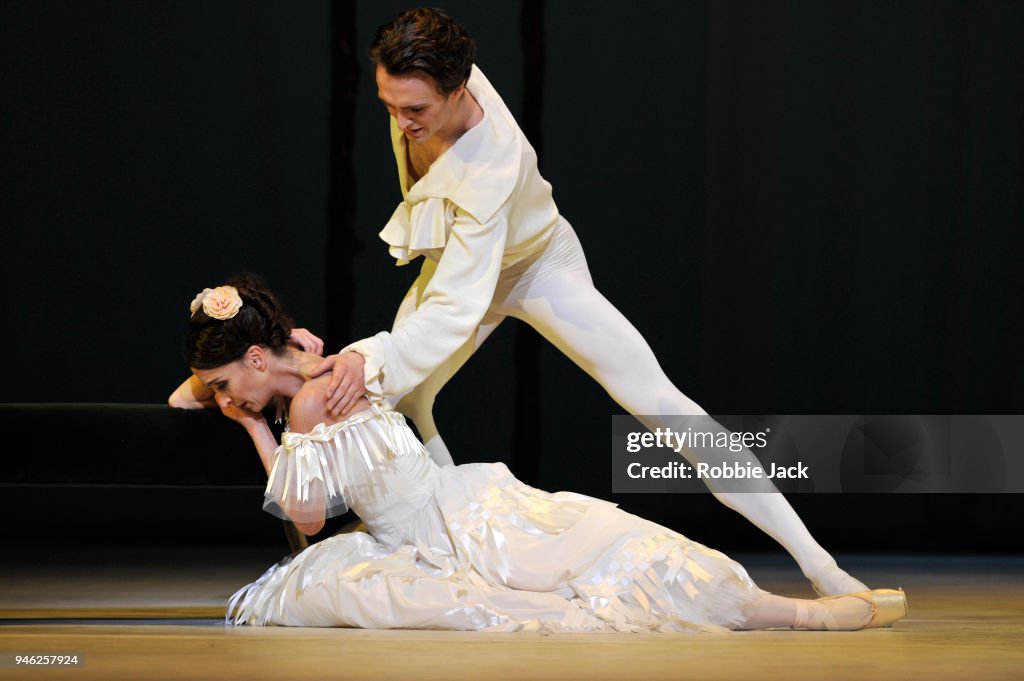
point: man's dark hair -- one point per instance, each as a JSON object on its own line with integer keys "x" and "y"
{"x": 428, "y": 41}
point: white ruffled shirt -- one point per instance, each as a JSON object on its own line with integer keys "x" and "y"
{"x": 480, "y": 208}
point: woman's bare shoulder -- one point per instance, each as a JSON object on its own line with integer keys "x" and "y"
{"x": 309, "y": 407}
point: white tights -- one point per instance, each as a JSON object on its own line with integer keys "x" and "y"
{"x": 553, "y": 292}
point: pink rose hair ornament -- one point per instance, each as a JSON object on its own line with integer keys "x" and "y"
{"x": 221, "y": 303}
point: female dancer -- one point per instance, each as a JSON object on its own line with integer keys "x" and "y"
{"x": 453, "y": 547}
{"x": 494, "y": 246}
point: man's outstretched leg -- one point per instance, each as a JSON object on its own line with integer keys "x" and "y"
{"x": 561, "y": 302}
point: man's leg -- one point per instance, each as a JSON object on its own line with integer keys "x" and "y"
{"x": 559, "y": 300}
{"x": 418, "y": 404}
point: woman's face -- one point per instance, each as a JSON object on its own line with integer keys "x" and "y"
{"x": 415, "y": 103}
{"x": 243, "y": 383}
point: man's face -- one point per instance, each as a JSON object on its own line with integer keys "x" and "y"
{"x": 415, "y": 103}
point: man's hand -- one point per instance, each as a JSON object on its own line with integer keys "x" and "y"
{"x": 346, "y": 384}
{"x": 304, "y": 340}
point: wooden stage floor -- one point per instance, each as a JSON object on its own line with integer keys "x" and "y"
{"x": 157, "y": 614}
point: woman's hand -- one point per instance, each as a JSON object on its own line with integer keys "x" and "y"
{"x": 346, "y": 385}
{"x": 305, "y": 340}
{"x": 248, "y": 419}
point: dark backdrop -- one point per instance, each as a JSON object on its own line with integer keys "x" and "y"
{"x": 805, "y": 207}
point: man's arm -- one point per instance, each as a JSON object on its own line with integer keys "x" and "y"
{"x": 454, "y": 302}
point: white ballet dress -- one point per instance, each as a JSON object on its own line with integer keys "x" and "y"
{"x": 470, "y": 547}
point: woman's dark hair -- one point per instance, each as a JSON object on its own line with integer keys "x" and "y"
{"x": 212, "y": 343}
{"x": 425, "y": 40}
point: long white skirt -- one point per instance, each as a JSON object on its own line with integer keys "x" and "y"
{"x": 491, "y": 553}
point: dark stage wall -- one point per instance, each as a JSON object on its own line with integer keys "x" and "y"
{"x": 149, "y": 150}
{"x": 805, "y": 207}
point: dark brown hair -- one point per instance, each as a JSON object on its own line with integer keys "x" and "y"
{"x": 427, "y": 41}
{"x": 212, "y": 343}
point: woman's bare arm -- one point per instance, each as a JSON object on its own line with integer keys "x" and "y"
{"x": 192, "y": 394}
{"x": 308, "y": 409}
{"x": 263, "y": 438}
{"x": 266, "y": 446}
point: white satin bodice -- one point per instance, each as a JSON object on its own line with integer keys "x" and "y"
{"x": 370, "y": 463}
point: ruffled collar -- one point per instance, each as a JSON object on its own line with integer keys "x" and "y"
{"x": 322, "y": 432}
{"x": 478, "y": 174}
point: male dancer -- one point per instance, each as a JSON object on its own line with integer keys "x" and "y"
{"x": 494, "y": 245}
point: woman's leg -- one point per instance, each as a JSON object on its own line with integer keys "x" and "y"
{"x": 557, "y": 297}
{"x": 838, "y": 614}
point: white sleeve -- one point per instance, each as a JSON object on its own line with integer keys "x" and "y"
{"x": 453, "y": 304}
{"x": 306, "y": 481}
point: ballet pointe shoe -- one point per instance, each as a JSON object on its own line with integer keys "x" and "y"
{"x": 887, "y": 607}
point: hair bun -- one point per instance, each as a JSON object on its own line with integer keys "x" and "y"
{"x": 260, "y": 320}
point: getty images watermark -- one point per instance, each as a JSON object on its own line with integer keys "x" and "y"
{"x": 836, "y": 453}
